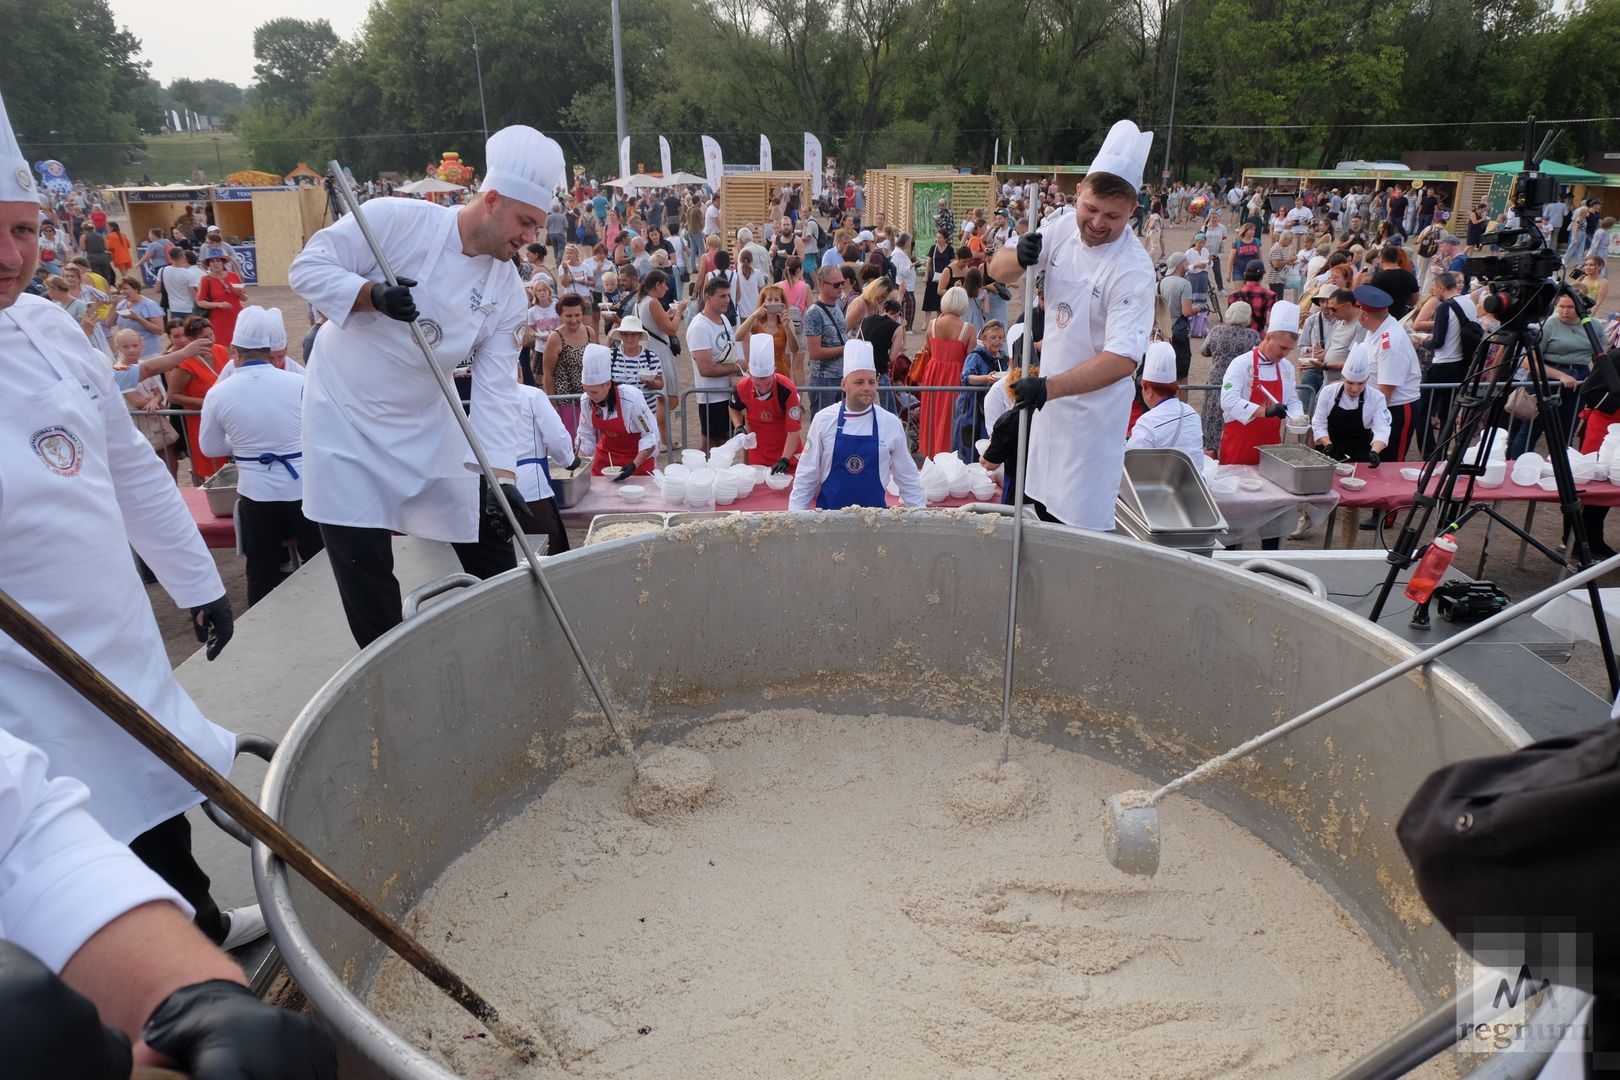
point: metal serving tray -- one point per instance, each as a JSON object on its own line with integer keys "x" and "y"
{"x": 1296, "y": 469}
{"x": 1165, "y": 492}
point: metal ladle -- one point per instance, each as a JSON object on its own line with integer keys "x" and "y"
{"x": 1131, "y": 830}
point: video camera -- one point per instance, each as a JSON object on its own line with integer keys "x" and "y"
{"x": 1522, "y": 277}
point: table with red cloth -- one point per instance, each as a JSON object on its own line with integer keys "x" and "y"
{"x": 605, "y": 498}
{"x": 1388, "y": 490}
{"x": 217, "y": 532}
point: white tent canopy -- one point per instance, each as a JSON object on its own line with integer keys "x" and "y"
{"x": 429, "y": 185}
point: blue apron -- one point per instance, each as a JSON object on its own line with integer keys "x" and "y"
{"x": 544, "y": 463}
{"x": 853, "y": 478}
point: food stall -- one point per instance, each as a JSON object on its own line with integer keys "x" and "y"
{"x": 267, "y": 226}
{"x": 1458, "y": 189}
{"x": 908, "y": 196}
{"x": 750, "y": 198}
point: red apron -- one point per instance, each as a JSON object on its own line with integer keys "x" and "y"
{"x": 615, "y": 445}
{"x": 1597, "y": 426}
{"x": 769, "y": 422}
{"x": 1241, "y": 443}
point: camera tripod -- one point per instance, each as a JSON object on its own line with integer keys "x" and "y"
{"x": 1478, "y": 408}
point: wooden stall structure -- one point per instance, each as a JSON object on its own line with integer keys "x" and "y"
{"x": 1460, "y": 190}
{"x": 750, "y": 198}
{"x": 908, "y": 198}
{"x": 267, "y": 226}
{"x": 1067, "y": 177}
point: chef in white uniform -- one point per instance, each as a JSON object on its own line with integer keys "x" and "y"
{"x": 79, "y": 487}
{"x": 853, "y": 449}
{"x": 90, "y": 936}
{"x": 544, "y": 441}
{"x": 256, "y": 420}
{"x": 1099, "y": 311}
{"x": 382, "y": 452}
{"x": 1169, "y": 423}
{"x": 278, "y": 347}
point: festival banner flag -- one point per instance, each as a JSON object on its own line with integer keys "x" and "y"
{"x": 714, "y": 166}
{"x": 624, "y": 156}
{"x": 764, "y": 154}
{"x": 812, "y": 163}
{"x": 663, "y": 155}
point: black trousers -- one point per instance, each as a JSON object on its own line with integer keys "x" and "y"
{"x": 542, "y": 518}
{"x": 266, "y": 527}
{"x": 166, "y": 849}
{"x": 363, "y": 564}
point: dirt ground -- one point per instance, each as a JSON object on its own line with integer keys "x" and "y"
{"x": 1502, "y": 565}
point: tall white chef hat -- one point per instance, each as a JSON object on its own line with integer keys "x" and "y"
{"x": 858, "y": 357}
{"x": 761, "y": 356}
{"x": 1358, "y": 365}
{"x": 278, "y": 330}
{"x": 523, "y": 164}
{"x": 1014, "y": 336}
{"x": 253, "y": 329}
{"x": 597, "y": 366}
{"x": 16, "y": 181}
{"x": 1284, "y": 318}
{"x": 1160, "y": 365}
{"x": 1124, "y": 153}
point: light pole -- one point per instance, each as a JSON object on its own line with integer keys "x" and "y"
{"x": 220, "y": 161}
{"x": 1175, "y": 78}
{"x": 618, "y": 81}
{"x": 478, "y": 66}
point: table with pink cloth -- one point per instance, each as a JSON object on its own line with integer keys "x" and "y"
{"x": 1267, "y": 512}
{"x": 217, "y": 532}
{"x": 605, "y": 498}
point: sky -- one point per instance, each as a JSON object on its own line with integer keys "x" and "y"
{"x": 184, "y": 40}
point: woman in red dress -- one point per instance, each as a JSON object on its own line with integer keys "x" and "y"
{"x": 188, "y": 385}
{"x": 220, "y": 294}
{"x": 950, "y": 338}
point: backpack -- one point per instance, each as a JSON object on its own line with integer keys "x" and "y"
{"x": 1472, "y": 334}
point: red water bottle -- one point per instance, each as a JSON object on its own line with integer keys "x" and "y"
{"x": 1431, "y": 568}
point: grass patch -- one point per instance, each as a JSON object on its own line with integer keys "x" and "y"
{"x": 170, "y": 158}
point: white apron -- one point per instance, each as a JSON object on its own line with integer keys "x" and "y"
{"x": 382, "y": 450}
{"x": 1077, "y": 443}
{"x": 64, "y": 556}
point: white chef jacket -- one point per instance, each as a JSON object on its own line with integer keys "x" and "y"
{"x": 381, "y": 449}
{"x": 1098, "y": 299}
{"x": 1235, "y": 388}
{"x": 996, "y": 401}
{"x": 259, "y": 412}
{"x": 894, "y": 455}
{"x": 80, "y": 486}
{"x": 1374, "y": 411}
{"x": 1172, "y": 424}
{"x": 62, "y": 878}
{"x": 1396, "y": 361}
{"x": 638, "y": 416}
{"x": 544, "y": 436}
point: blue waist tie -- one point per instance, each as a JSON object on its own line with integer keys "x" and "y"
{"x": 268, "y": 458}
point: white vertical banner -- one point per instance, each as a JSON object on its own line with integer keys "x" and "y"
{"x": 995, "y": 158}
{"x": 624, "y": 156}
{"x": 764, "y": 154}
{"x": 714, "y": 167}
{"x": 663, "y": 155}
{"x": 174, "y": 119}
{"x": 812, "y": 163}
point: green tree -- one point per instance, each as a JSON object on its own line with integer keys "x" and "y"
{"x": 73, "y": 85}
{"x": 290, "y": 55}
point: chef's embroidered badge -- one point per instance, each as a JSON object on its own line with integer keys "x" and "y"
{"x": 855, "y": 464}
{"x": 795, "y": 413}
{"x": 1064, "y": 314}
{"x": 60, "y": 450}
{"x": 432, "y": 331}
{"x": 767, "y": 417}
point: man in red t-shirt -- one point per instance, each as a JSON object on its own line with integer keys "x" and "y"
{"x": 767, "y": 404}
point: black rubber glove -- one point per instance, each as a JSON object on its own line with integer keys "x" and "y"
{"x": 1276, "y": 410}
{"x": 1029, "y": 249}
{"x": 1330, "y": 450}
{"x": 48, "y": 1029}
{"x": 1373, "y": 460}
{"x": 781, "y": 467}
{"x": 395, "y": 301}
{"x": 218, "y": 1030}
{"x": 625, "y": 473}
{"x": 573, "y": 465}
{"x": 1029, "y": 393}
{"x": 214, "y": 624}
{"x": 498, "y": 525}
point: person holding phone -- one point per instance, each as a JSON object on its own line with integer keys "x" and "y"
{"x": 771, "y": 317}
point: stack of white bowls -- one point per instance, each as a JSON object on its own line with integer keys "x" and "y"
{"x": 700, "y": 489}
{"x": 725, "y": 487}
{"x": 1527, "y": 469}
{"x": 694, "y": 459}
{"x": 746, "y": 479}
{"x": 672, "y": 483}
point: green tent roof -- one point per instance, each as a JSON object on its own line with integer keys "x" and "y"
{"x": 1571, "y": 173}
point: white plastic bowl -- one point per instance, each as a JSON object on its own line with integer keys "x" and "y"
{"x": 1352, "y": 483}
{"x": 1222, "y": 485}
{"x": 1251, "y": 483}
{"x": 1297, "y": 425}
{"x": 778, "y": 481}
{"x": 632, "y": 492}
{"x": 677, "y": 471}
{"x": 673, "y": 490}
{"x": 1345, "y": 468}
{"x": 1411, "y": 474}
{"x": 1548, "y": 483}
